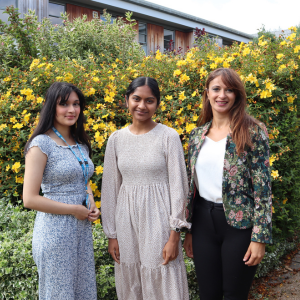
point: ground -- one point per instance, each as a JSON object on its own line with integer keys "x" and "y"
{"x": 280, "y": 284}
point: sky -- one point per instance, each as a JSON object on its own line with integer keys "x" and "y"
{"x": 244, "y": 15}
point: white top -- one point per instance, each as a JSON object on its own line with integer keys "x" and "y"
{"x": 209, "y": 169}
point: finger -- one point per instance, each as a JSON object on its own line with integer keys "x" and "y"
{"x": 247, "y": 255}
{"x": 166, "y": 260}
{"x": 118, "y": 254}
{"x": 251, "y": 261}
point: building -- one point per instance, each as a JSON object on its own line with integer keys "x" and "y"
{"x": 157, "y": 26}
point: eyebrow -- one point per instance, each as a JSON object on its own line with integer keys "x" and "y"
{"x": 146, "y": 98}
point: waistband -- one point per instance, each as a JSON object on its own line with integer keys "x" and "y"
{"x": 210, "y": 205}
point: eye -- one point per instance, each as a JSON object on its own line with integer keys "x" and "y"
{"x": 136, "y": 99}
{"x": 216, "y": 89}
{"x": 229, "y": 90}
{"x": 76, "y": 104}
{"x": 150, "y": 101}
{"x": 63, "y": 104}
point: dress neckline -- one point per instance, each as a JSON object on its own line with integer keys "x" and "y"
{"x": 217, "y": 141}
{"x": 143, "y": 134}
{"x": 57, "y": 144}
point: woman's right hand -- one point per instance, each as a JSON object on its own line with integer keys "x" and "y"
{"x": 187, "y": 245}
{"x": 113, "y": 249}
{"x": 80, "y": 212}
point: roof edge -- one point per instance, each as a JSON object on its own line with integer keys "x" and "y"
{"x": 177, "y": 13}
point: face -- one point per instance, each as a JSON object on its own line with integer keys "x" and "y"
{"x": 221, "y": 97}
{"x": 142, "y": 104}
{"x": 67, "y": 113}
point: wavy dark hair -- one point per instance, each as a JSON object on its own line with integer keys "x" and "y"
{"x": 141, "y": 81}
{"x": 60, "y": 91}
{"x": 240, "y": 121}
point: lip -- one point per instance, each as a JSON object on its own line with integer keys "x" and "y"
{"x": 141, "y": 112}
{"x": 70, "y": 117}
{"x": 221, "y": 103}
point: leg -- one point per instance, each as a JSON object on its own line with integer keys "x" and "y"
{"x": 207, "y": 254}
{"x": 237, "y": 276}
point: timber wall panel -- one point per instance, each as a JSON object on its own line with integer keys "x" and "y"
{"x": 155, "y": 38}
{"x": 184, "y": 40}
{"x": 75, "y": 11}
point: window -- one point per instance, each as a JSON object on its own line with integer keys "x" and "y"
{"x": 143, "y": 36}
{"x": 3, "y": 4}
{"x": 54, "y": 12}
{"x": 169, "y": 40}
{"x": 104, "y": 19}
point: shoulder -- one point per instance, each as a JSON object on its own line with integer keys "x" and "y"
{"x": 258, "y": 131}
{"x": 168, "y": 131}
{"x": 199, "y": 130}
{"x": 42, "y": 141}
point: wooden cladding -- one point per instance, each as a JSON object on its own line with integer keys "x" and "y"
{"x": 155, "y": 38}
{"x": 184, "y": 40}
{"x": 75, "y": 11}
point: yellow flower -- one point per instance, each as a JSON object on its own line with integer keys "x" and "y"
{"x": 293, "y": 28}
{"x": 7, "y": 79}
{"x": 16, "y": 167}
{"x": 283, "y": 43}
{"x": 273, "y": 209}
{"x": 41, "y": 65}
{"x": 181, "y": 63}
{"x": 97, "y": 194}
{"x": 59, "y": 78}
{"x": 109, "y": 99}
{"x": 176, "y": 73}
{"x": 111, "y": 77}
{"x": 285, "y": 200}
{"x": 246, "y": 51}
{"x": 158, "y": 55}
{"x": 98, "y": 204}
{"x": 18, "y": 125}
{"x": 169, "y": 97}
{"x": 262, "y": 43}
{"x": 2, "y": 126}
{"x": 68, "y": 77}
{"x": 34, "y": 63}
{"x": 190, "y": 127}
{"x": 97, "y": 221}
{"x": 179, "y": 131}
{"x": 163, "y": 108}
{"x": 274, "y": 174}
{"x": 226, "y": 64}
{"x": 13, "y": 120}
{"x": 194, "y": 94}
{"x": 265, "y": 94}
{"x": 281, "y": 68}
{"x": 99, "y": 170}
{"x": 93, "y": 186}
{"x": 270, "y": 86}
{"x": 96, "y": 79}
{"x": 39, "y": 99}
{"x": 19, "y": 179}
{"x": 180, "y": 111}
{"x": 297, "y": 49}
{"x": 27, "y": 117}
{"x": 272, "y": 159}
{"x": 195, "y": 118}
{"x": 7, "y": 168}
{"x": 279, "y": 56}
{"x": 290, "y": 99}
{"x": 184, "y": 77}
{"x": 181, "y": 95}
{"x": 291, "y": 37}
{"x": 213, "y": 66}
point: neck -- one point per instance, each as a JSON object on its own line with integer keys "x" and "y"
{"x": 220, "y": 121}
{"x": 142, "y": 127}
{"x": 65, "y": 131}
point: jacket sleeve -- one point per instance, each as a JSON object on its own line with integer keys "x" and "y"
{"x": 261, "y": 180}
{"x": 111, "y": 182}
{"x": 177, "y": 180}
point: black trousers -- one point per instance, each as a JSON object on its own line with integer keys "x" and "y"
{"x": 219, "y": 250}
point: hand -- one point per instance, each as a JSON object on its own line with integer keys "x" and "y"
{"x": 170, "y": 251}
{"x": 254, "y": 254}
{"x": 113, "y": 249}
{"x": 80, "y": 212}
{"x": 94, "y": 212}
{"x": 187, "y": 245}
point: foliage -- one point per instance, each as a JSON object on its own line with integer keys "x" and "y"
{"x": 24, "y": 39}
{"x": 269, "y": 69}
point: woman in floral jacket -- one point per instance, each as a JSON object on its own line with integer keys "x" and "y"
{"x": 229, "y": 201}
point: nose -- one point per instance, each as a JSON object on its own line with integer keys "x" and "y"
{"x": 71, "y": 108}
{"x": 222, "y": 93}
{"x": 142, "y": 104}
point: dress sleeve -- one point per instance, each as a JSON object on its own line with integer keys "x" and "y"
{"x": 261, "y": 179}
{"x": 43, "y": 142}
{"x": 111, "y": 182}
{"x": 177, "y": 180}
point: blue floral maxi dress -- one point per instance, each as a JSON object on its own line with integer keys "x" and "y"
{"x": 62, "y": 245}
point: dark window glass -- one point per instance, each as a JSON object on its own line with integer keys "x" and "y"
{"x": 168, "y": 39}
{"x": 4, "y": 3}
{"x": 55, "y": 20}
{"x": 104, "y": 19}
{"x": 143, "y": 34}
{"x": 55, "y": 9}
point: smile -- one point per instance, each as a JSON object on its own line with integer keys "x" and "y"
{"x": 221, "y": 103}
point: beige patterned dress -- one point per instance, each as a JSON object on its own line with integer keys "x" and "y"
{"x": 144, "y": 190}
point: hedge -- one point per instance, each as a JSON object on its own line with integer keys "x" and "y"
{"x": 269, "y": 69}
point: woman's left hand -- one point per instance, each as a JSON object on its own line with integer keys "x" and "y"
{"x": 170, "y": 251}
{"x": 254, "y": 254}
{"x": 94, "y": 212}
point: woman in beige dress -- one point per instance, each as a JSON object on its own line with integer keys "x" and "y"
{"x": 144, "y": 191}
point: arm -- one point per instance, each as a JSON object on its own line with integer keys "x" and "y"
{"x": 35, "y": 163}
{"x": 261, "y": 179}
{"x": 178, "y": 193}
{"x": 111, "y": 182}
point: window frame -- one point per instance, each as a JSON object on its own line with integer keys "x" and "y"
{"x": 2, "y": 9}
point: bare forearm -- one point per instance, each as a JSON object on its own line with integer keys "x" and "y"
{"x": 46, "y": 205}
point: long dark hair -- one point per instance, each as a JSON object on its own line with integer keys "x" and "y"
{"x": 61, "y": 90}
{"x": 141, "y": 81}
{"x": 240, "y": 121}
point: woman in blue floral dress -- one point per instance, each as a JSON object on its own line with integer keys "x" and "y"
{"x": 57, "y": 160}
{"x": 230, "y": 199}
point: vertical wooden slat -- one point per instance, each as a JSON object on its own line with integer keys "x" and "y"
{"x": 75, "y": 11}
{"x": 183, "y": 40}
{"x": 155, "y": 38}
{"x": 40, "y": 7}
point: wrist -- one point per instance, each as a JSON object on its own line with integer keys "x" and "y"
{"x": 174, "y": 236}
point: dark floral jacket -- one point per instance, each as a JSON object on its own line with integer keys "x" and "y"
{"x": 246, "y": 187}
